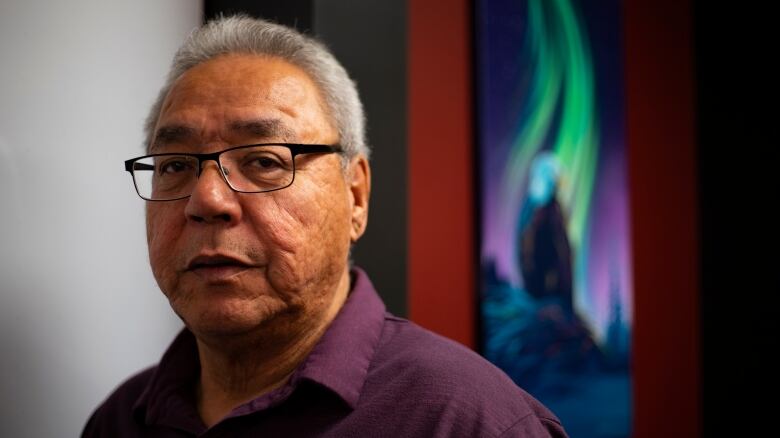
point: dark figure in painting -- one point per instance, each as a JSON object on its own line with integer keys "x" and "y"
{"x": 545, "y": 256}
{"x": 554, "y": 336}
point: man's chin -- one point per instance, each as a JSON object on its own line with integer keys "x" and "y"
{"x": 219, "y": 320}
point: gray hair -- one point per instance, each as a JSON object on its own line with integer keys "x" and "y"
{"x": 244, "y": 35}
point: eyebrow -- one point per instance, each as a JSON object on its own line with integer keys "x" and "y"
{"x": 171, "y": 134}
{"x": 263, "y": 128}
{"x": 255, "y": 128}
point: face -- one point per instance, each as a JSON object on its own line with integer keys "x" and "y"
{"x": 233, "y": 263}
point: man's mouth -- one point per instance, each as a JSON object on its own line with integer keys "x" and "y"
{"x": 214, "y": 268}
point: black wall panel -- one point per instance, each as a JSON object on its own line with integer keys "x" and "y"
{"x": 369, "y": 38}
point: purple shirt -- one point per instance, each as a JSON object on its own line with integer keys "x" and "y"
{"x": 371, "y": 374}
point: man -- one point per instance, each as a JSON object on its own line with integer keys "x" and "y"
{"x": 258, "y": 184}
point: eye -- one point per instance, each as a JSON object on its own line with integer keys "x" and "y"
{"x": 264, "y": 162}
{"x": 174, "y": 165}
{"x": 261, "y": 163}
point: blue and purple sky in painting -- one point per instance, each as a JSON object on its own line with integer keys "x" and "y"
{"x": 504, "y": 82}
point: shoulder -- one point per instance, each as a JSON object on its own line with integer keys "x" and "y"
{"x": 116, "y": 412}
{"x": 452, "y": 385}
{"x": 416, "y": 353}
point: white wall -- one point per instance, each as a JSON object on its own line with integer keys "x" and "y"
{"x": 79, "y": 309}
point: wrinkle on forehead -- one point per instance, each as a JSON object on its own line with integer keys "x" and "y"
{"x": 172, "y": 134}
{"x": 229, "y": 90}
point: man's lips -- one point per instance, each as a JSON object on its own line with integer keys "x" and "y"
{"x": 216, "y": 260}
{"x": 217, "y": 267}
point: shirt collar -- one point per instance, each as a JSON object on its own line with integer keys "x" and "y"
{"x": 341, "y": 359}
{"x": 339, "y": 362}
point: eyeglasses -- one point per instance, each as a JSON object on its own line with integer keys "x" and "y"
{"x": 254, "y": 168}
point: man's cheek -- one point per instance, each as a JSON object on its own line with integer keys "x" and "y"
{"x": 286, "y": 223}
{"x": 159, "y": 218}
{"x": 159, "y": 245}
{"x": 161, "y": 233}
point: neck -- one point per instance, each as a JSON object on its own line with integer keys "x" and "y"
{"x": 237, "y": 371}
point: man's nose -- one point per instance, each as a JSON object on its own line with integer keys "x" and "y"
{"x": 212, "y": 200}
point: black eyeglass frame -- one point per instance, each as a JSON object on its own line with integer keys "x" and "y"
{"x": 295, "y": 150}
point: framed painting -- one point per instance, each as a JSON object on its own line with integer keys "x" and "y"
{"x": 556, "y": 301}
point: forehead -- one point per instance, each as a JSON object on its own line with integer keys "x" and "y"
{"x": 209, "y": 101}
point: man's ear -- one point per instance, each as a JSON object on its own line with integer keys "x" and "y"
{"x": 359, "y": 181}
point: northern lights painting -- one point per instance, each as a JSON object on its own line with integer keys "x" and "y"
{"x": 556, "y": 297}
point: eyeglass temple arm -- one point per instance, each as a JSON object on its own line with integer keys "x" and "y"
{"x": 300, "y": 149}
{"x": 132, "y": 165}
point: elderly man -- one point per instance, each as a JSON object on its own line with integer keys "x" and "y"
{"x": 258, "y": 183}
